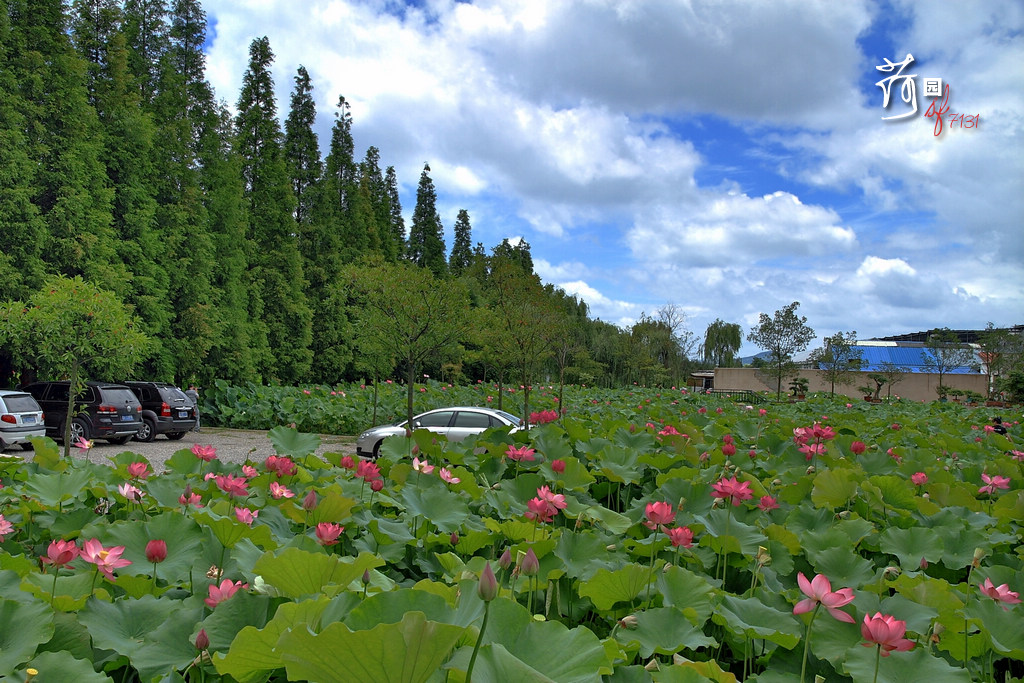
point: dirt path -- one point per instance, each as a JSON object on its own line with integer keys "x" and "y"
{"x": 233, "y": 445}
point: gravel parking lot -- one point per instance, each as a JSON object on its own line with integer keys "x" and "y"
{"x": 233, "y": 445}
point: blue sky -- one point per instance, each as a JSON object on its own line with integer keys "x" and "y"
{"x": 727, "y": 157}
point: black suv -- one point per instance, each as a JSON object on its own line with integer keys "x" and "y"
{"x": 102, "y": 411}
{"x": 165, "y": 410}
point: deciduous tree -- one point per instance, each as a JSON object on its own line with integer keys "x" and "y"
{"x": 781, "y": 336}
{"x": 838, "y": 359}
{"x": 721, "y": 342}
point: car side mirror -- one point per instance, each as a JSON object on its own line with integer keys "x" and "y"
{"x": 416, "y": 424}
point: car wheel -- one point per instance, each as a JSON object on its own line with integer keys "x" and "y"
{"x": 147, "y": 432}
{"x": 79, "y": 429}
{"x": 25, "y": 446}
{"x": 376, "y": 449}
{"x": 119, "y": 440}
{"x": 174, "y": 436}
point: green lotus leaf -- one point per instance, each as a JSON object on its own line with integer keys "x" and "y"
{"x": 391, "y": 607}
{"x": 53, "y": 490}
{"x": 687, "y": 591}
{"x": 732, "y": 534}
{"x": 751, "y": 618}
{"x": 230, "y": 531}
{"x": 833, "y": 488}
{"x": 184, "y": 461}
{"x": 583, "y": 554}
{"x": 182, "y": 536}
{"x": 843, "y": 567}
{"x": 446, "y": 510}
{"x": 912, "y": 545}
{"x": 60, "y": 667}
{"x": 288, "y": 441}
{"x": 254, "y": 651}
{"x": 296, "y": 573}
{"x": 71, "y": 591}
{"x": 25, "y": 627}
{"x": 916, "y": 665}
{"x": 410, "y": 651}
{"x": 618, "y": 464}
{"x": 663, "y": 631}
{"x": 1002, "y": 624}
{"x": 170, "y": 646}
{"x": 124, "y": 626}
{"x": 622, "y": 585}
{"x": 891, "y": 492}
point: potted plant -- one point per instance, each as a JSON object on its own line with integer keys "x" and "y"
{"x": 942, "y": 391}
{"x": 799, "y": 387}
{"x": 956, "y": 394}
{"x": 867, "y": 391}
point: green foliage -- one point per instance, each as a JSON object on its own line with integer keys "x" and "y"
{"x": 395, "y": 598}
{"x": 781, "y": 336}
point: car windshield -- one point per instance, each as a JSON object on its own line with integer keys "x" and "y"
{"x": 508, "y": 416}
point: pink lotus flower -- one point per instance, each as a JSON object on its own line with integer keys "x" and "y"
{"x": 219, "y": 594}
{"x": 558, "y": 466}
{"x": 446, "y": 475}
{"x": 367, "y": 470}
{"x": 543, "y": 417}
{"x": 82, "y": 444}
{"x": 250, "y": 472}
{"x": 1000, "y": 593}
{"x": 858, "y": 447}
{"x": 658, "y": 514}
{"x": 278, "y": 491}
{"x": 819, "y": 591}
{"x": 733, "y": 489}
{"x": 919, "y": 478}
{"x": 347, "y": 462}
{"x": 234, "y": 486}
{"x": 189, "y": 498}
{"x": 105, "y": 559}
{"x": 377, "y": 484}
{"x": 5, "y": 528}
{"x": 521, "y": 454}
{"x": 138, "y": 470}
{"x": 669, "y": 430}
{"x": 993, "y": 483}
{"x": 1017, "y": 455}
{"x": 328, "y": 533}
{"x": 246, "y": 516}
{"x": 156, "y": 551}
{"x": 540, "y": 510}
{"x": 768, "y": 503}
{"x": 205, "y": 453}
{"x": 60, "y": 553}
{"x": 680, "y": 536}
{"x": 887, "y": 632}
{"x": 282, "y": 466}
{"x": 131, "y": 493}
{"x": 422, "y": 466}
{"x": 556, "y": 499}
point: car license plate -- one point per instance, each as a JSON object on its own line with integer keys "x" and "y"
{"x": 182, "y": 413}
{"x": 29, "y": 419}
{"x": 127, "y": 418}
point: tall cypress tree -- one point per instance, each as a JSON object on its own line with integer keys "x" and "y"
{"x": 376, "y": 189}
{"x": 426, "y": 235}
{"x": 24, "y": 230}
{"x": 301, "y": 152}
{"x": 64, "y": 140}
{"x": 146, "y": 30}
{"x": 396, "y": 224}
{"x": 462, "y": 247}
{"x": 275, "y": 259}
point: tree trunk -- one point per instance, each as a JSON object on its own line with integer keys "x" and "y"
{"x": 72, "y": 392}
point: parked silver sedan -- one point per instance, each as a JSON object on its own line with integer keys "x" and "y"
{"x": 455, "y": 423}
{"x": 21, "y": 418}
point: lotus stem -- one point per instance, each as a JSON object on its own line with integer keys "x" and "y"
{"x": 479, "y": 641}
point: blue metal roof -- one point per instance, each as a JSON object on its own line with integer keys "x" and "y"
{"x": 910, "y": 357}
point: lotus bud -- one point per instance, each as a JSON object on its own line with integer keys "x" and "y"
{"x": 366, "y": 577}
{"x": 530, "y": 564}
{"x": 156, "y": 551}
{"x": 924, "y": 564}
{"x": 376, "y": 485}
{"x": 487, "y": 589}
{"x": 979, "y": 553}
{"x": 629, "y": 621}
{"x": 505, "y": 561}
{"x": 310, "y": 501}
{"x": 454, "y": 538}
{"x": 202, "y": 640}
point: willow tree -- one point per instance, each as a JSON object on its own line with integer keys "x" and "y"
{"x": 721, "y": 342}
{"x": 76, "y": 330}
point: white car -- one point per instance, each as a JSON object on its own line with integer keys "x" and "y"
{"x": 21, "y": 418}
{"x": 455, "y": 423}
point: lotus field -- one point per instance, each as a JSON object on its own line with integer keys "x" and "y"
{"x": 642, "y": 536}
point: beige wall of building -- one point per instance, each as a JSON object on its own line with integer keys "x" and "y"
{"x": 914, "y": 386}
